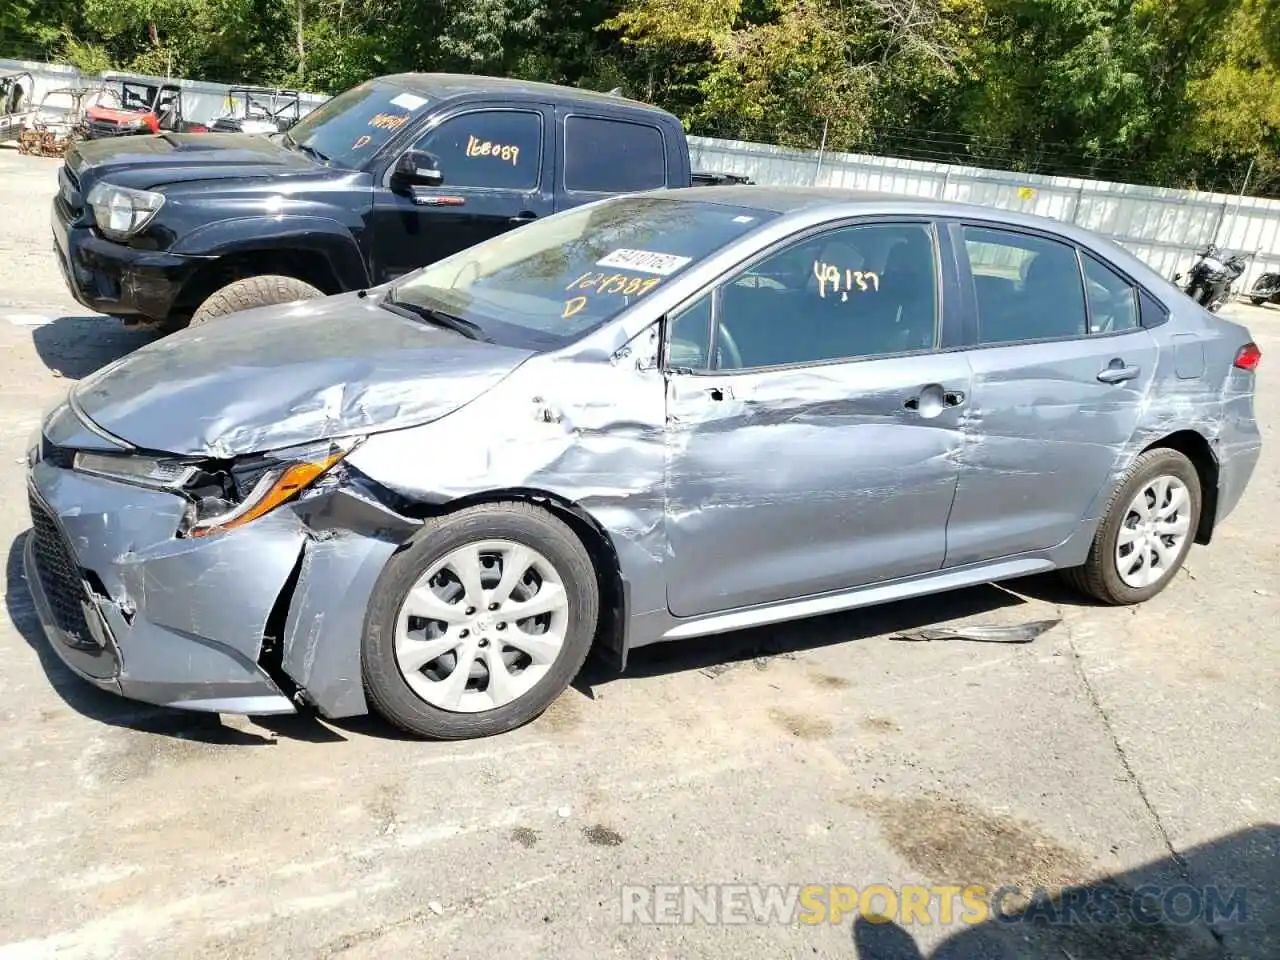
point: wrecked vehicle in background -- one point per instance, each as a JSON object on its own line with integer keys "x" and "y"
{"x": 145, "y": 108}
{"x": 15, "y": 90}
{"x": 654, "y": 417}
{"x": 259, "y": 110}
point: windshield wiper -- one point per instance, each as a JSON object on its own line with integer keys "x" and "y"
{"x": 416, "y": 311}
{"x": 312, "y": 152}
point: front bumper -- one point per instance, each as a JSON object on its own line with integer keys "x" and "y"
{"x": 114, "y": 278}
{"x": 249, "y": 621}
{"x": 179, "y": 623}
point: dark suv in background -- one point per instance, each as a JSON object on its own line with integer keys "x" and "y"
{"x": 389, "y": 176}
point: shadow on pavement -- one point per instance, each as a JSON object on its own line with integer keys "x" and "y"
{"x": 1218, "y": 901}
{"x": 76, "y": 346}
{"x": 726, "y": 649}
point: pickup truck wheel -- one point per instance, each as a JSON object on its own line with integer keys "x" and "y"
{"x": 263, "y": 291}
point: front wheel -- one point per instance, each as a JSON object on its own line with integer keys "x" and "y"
{"x": 1146, "y": 532}
{"x": 480, "y": 623}
{"x": 1258, "y": 301}
{"x": 260, "y": 291}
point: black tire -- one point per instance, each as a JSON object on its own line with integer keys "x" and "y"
{"x": 261, "y": 291}
{"x": 1258, "y": 301}
{"x": 385, "y": 686}
{"x": 1099, "y": 577}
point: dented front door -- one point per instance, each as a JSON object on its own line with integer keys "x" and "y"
{"x": 787, "y": 483}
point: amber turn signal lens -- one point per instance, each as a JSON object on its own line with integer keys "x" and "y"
{"x": 291, "y": 482}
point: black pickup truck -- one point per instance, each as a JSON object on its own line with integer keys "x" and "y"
{"x": 389, "y": 176}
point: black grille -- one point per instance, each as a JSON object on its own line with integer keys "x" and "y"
{"x": 59, "y": 577}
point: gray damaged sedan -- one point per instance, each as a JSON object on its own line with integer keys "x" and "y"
{"x": 653, "y": 417}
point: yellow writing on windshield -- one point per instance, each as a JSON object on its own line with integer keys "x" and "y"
{"x": 487, "y": 148}
{"x": 843, "y": 282}
{"x": 572, "y": 306}
{"x": 389, "y": 121}
{"x": 615, "y": 283}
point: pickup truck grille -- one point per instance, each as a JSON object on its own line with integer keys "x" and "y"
{"x": 60, "y": 577}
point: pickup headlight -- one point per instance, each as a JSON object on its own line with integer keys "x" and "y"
{"x": 120, "y": 212}
{"x": 224, "y": 495}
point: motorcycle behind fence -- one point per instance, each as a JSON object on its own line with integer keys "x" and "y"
{"x": 1266, "y": 289}
{"x": 1210, "y": 279}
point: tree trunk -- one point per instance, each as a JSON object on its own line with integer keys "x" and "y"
{"x": 302, "y": 44}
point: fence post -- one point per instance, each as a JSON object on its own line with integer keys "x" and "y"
{"x": 946, "y": 183}
{"x": 1075, "y": 208}
{"x": 821, "y": 149}
{"x": 1217, "y": 227}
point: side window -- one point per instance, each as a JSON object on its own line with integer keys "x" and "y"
{"x": 1027, "y": 287}
{"x": 613, "y": 156}
{"x": 489, "y": 148}
{"x": 849, "y": 293}
{"x": 1113, "y": 303}
{"x": 689, "y": 335}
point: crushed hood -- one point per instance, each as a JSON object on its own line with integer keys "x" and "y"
{"x": 278, "y": 376}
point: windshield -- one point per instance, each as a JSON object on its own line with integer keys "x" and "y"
{"x": 550, "y": 282}
{"x": 355, "y": 124}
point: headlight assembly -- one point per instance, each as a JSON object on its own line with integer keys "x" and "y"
{"x": 224, "y": 495}
{"x": 120, "y": 212}
{"x": 263, "y": 482}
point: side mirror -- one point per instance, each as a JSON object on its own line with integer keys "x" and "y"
{"x": 417, "y": 168}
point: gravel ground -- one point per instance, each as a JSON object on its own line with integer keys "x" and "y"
{"x": 1124, "y": 747}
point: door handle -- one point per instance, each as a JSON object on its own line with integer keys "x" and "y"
{"x": 525, "y": 216}
{"x": 932, "y": 399}
{"x": 1117, "y": 372}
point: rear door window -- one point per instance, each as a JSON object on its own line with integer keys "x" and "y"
{"x": 1027, "y": 287}
{"x": 613, "y": 156}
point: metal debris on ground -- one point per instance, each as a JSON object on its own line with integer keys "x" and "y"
{"x": 760, "y": 662}
{"x": 981, "y": 633}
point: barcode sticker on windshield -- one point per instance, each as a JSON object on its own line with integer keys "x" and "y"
{"x": 408, "y": 101}
{"x": 663, "y": 264}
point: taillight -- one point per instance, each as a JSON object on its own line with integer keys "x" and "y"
{"x": 1248, "y": 357}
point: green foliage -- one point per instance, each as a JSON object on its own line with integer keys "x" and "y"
{"x": 1169, "y": 91}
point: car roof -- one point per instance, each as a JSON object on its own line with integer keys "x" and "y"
{"x": 447, "y": 86}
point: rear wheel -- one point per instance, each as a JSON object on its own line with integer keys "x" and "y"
{"x": 261, "y": 291}
{"x": 1146, "y": 532}
{"x": 479, "y": 624}
{"x": 1258, "y": 301}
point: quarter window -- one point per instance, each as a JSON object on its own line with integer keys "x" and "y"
{"x": 850, "y": 293}
{"x": 1113, "y": 302}
{"x": 489, "y": 148}
{"x": 1027, "y": 287}
{"x": 613, "y": 156}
